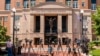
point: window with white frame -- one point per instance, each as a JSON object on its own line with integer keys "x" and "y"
{"x": 5, "y": 18}
{"x": 85, "y": 21}
{"x": 83, "y": 4}
{"x": 26, "y": 4}
{"x": 68, "y": 2}
{"x": 93, "y": 4}
{"x": 33, "y": 2}
{"x": 0, "y": 19}
{"x": 7, "y": 4}
{"x": 17, "y": 21}
{"x": 75, "y": 3}
{"x": 18, "y": 4}
{"x": 85, "y": 24}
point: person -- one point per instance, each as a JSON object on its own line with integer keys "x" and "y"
{"x": 19, "y": 48}
{"x": 9, "y": 47}
{"x": 50, "y": 49}
{"x": 59, "y": 45}
{"x": 68, "y": 50}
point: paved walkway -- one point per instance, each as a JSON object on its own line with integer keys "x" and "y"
{"x": 46, "y": 54}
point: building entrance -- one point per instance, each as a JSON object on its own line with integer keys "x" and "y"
{"x": 50, "y": 30}
{"x": 50, "y": 24}
{"x": 51, "y": 40}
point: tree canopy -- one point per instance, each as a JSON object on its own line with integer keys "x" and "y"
{"x": 3, "y": 31}
{"x": 96, "y": 21}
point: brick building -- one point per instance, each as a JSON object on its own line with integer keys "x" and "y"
{"x": 33, "y": 16}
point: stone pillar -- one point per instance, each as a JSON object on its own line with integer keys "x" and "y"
{"x": 70, "y": 24}
{"x": 32, "y": 24}
{"x": 42, "y": 26}
{"x": 59, "y": 26}
{"x": 70, "y": 29}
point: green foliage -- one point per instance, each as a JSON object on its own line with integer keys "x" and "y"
{"x": 95, "y": 52}
{"x": 3, "y": 36}
{"x": 97, "y": 43}
{"x": 2, "y": 44}
{"x": 91, "y": 45}
{"x": 96, "y": 21}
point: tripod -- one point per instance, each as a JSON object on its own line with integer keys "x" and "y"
{"x": 30, "y": 47}
{"x": 40, "y": 45}
{"x": 68, "y": 50}
{"x": 59, "y": 46}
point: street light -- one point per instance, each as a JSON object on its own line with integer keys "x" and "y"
{"x": 14, "y": 11}
{"x": 83, "y": 38}
{"x": 82, "y": 11}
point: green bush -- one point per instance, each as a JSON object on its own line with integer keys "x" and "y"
{"x": 97, "y": 43}
{"x": 95, "y": 52}
{"x": 2, "y": 44}
{"x": 91, "y": 45}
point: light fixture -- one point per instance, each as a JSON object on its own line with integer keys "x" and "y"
{"x": 13, "y": 10}
{"x": 82, "y": 11}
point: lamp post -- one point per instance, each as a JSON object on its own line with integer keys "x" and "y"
{"x": 14, "y": 10}
{"x": 82, "y": 11}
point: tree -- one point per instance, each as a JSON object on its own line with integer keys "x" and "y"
{"x": 96, "y": 21}
{"x": 3, "y": 36}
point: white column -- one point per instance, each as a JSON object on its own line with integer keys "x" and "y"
{"x": 59, "y": 26}
{"x": 70, "y": 24}
{"x": 42, "y": 24}
{"x": 42, "y": 21}
{"x": 32, "y": 23}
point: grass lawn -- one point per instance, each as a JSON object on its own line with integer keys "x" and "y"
{"x": 95, "y": 52}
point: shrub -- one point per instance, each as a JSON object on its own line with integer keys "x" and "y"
{"x": 2, "y": 44}
{"x": 91, "y": 45}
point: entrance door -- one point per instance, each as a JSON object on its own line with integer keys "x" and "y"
{"x": 50, "y": 30}
{"x": 51, "y": 40}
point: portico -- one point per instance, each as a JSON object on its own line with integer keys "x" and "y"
{"x": 37, "y": 24}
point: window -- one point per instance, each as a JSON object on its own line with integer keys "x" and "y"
{"x": 64, "y": 24}
{"x": 17, "y": 21}
{"x": 84, "y": 20}
{"x": 26, "y": 4}
{"x": 93, "y": 4}
{"x": 37, "y": 26}
{"x": 68, "y": 2}
{"x": 0, "y": 19}
{"x": 85, "y": 24}
{"x": 32, "y": 2}
{"x": 7, "y": 5}
{"x": 50, "y": 0}
{"x": 75, "y": 4}
{"x": 66, "y": 41}
{"x": 5, "y": 18}
{"x": 17, "y": 18}
{"x": 36, "y": 41}
{"x": 18, "y": 4}
{"x": 83, "y": 4}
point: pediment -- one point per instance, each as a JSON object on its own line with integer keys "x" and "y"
{"x": 51, "y": 5}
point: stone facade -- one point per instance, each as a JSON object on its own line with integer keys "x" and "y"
{"x": 42, "y": 9}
